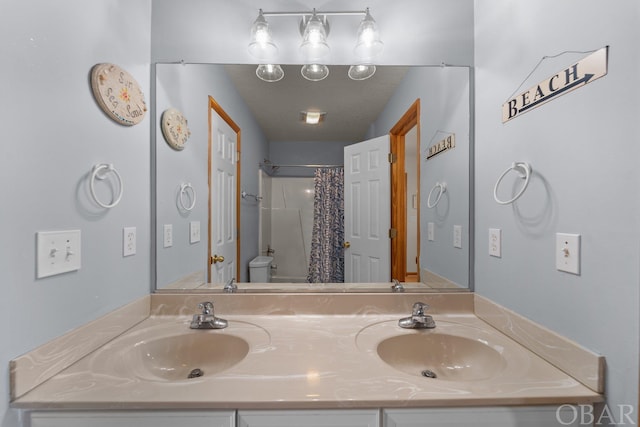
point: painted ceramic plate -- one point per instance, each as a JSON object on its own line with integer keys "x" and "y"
{"x": 118, "y": 94}
{"x": 174, "y": 128}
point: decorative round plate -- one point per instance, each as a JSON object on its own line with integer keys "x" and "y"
{"x": 118, "y": 94}
{"x": 174, "y": 128}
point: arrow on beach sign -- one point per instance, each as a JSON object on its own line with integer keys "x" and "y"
{"x": 577, "y": 75}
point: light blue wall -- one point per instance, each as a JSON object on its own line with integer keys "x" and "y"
{"x": 444, "y": 109}
{"x": 584, "y": 150}
{"x": 187, "y": 88}
{"x": 53, "y": 134}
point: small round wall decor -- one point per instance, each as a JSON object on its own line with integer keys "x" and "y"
{"x": 174, "y": 128}
{"x": 118, "y": 94}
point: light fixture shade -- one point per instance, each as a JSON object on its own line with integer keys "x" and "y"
{"x": 368, "y": 44}
{"x": 361, "y": 72}
{"x": 269, "y": 72}
{"x": 314, "y": 45}
{"x": 261, "y": 45}
{"x": 314, "y": 72}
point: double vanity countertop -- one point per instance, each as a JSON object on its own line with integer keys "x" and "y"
{"x": 297, "y": 353}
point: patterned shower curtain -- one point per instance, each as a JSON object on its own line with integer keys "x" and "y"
{"x": 326, "y": 263}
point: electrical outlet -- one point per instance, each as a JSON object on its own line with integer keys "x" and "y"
{"x": 194, "y": 231}
{"x": 457, "y": 236}
{"x": 430, "y": 232}
{"x": 168, "y": 235}
{"x": 568, "y": 252}
{"x": 57, "y": 252}
{"x": 495, "y": 242}
{"x": 128, "y": 241}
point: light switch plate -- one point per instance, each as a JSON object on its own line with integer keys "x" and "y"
{"x": 194, "y": 231}
{"x": 495, "y": 242}
{"x": 128, "y": 241}
{"x": 457, "y": 236}
{"x": 168, "y": 235}
{"x": 58, "y": 252}
{"x": 568, "y": 252}
{"x": 430, "y": 232}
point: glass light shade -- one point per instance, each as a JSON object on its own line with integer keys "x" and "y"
{"x": 314, "y": 45}
{"x": 361, "y": 72}
{"x": 368, "y": 45}
{"x": 314, "y": 72}
{"x": 261, "y": 45}
{"x": 269, "y": 72}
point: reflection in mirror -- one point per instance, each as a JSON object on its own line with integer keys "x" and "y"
{"x": 278, "y": 158}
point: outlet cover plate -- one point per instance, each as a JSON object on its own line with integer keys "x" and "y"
{"x": 128, "y": 241}
{"x": 58, "y": 252}
{"x": 168, "y": 235}
{"x": 495, "y": 242}
{"x": 194, "y": 231}
{"x": 430, "y": 231}
{"x": 457, "y": 236}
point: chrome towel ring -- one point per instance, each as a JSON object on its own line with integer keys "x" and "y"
{"x": 524, "y": 169}
{"x": 100, "y": 172}
{"x": 185, "y": 189}
{"x": 442, "y": 188}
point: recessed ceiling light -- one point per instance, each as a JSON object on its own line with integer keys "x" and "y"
{"x": 312, "y": 117}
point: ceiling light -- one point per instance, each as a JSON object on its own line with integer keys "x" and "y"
{"x": 314, "y": 45}
{"x": 312, "y": 117}
{"x": 361, "y": 72}
{"x": 314, "y": 72}
{"x": 262, "y": 46}
{"x": 269, "y": 72}
{"x": 369, "y": 44}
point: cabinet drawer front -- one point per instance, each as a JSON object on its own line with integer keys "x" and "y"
{"x": 310, "y": 418}
{"x": 134, "y": 419}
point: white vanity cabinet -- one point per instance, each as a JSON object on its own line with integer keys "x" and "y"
{"x": 310, "y": 418}
{"x": 134, "y": 419}
{"x": 527, "y": 416}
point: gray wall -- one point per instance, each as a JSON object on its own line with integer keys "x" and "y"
{"x": 444, "y": 107}
{"x": 584, "y": 151}
{"x": 187, "y": 88}
{"x": 54, "y": 133}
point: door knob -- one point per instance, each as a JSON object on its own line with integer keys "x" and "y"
{"x": 346, "y": 244}
{"x": 217, "y": 258}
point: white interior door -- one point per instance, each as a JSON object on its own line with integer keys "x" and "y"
{"x": 222, "y": 199}
{"x": 367, "y": 211}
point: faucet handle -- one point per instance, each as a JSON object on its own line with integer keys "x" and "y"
{"x": 419, "y": 308}
{"x": 206, "y": 307}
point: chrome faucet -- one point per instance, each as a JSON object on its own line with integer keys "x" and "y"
{"x": 230, "y": 286}
{"x": 397, "y": 286}
{"x": 207, "y": 320}
{"x": 418, "y": 319}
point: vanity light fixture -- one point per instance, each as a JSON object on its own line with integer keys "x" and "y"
{"x": 361, "y": 72}
{"x": 269, "y": 72}
{"x": 261, "y": 45}
{"x": 314, "y": 49}
{"x": 369, "y": 46}
{"x": 312, "y": 117}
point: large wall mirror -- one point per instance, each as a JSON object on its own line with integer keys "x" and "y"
{"x": 269, "y": 202}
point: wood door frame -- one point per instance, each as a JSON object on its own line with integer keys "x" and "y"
{"x": 408, "y": 121}
{"x": 213, "y": 105}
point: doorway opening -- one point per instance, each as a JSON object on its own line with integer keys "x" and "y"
{"x": 405, "y": 196}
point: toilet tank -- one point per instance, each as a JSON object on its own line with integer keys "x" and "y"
{"x": 260, "y": 269}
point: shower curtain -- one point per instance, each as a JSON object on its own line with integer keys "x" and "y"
{"x": 326, "y": 263}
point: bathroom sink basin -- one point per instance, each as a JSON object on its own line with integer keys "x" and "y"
{"x": 169, "y": 351}
{"x": 444, "y": 356}
{"x": 458, "y": 351}
{"x": 185, "y": 356}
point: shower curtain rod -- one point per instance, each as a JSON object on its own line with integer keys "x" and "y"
{"x": 274, "y": 165}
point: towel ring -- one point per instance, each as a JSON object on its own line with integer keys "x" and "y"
{"x": 184, "y": 189}
{"x": 97, "y": 175}
{"x": 442, "y": 188}
{"x": 524, "y": 170}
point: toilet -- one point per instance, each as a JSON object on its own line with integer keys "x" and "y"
{"x": 260, "y": 269}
